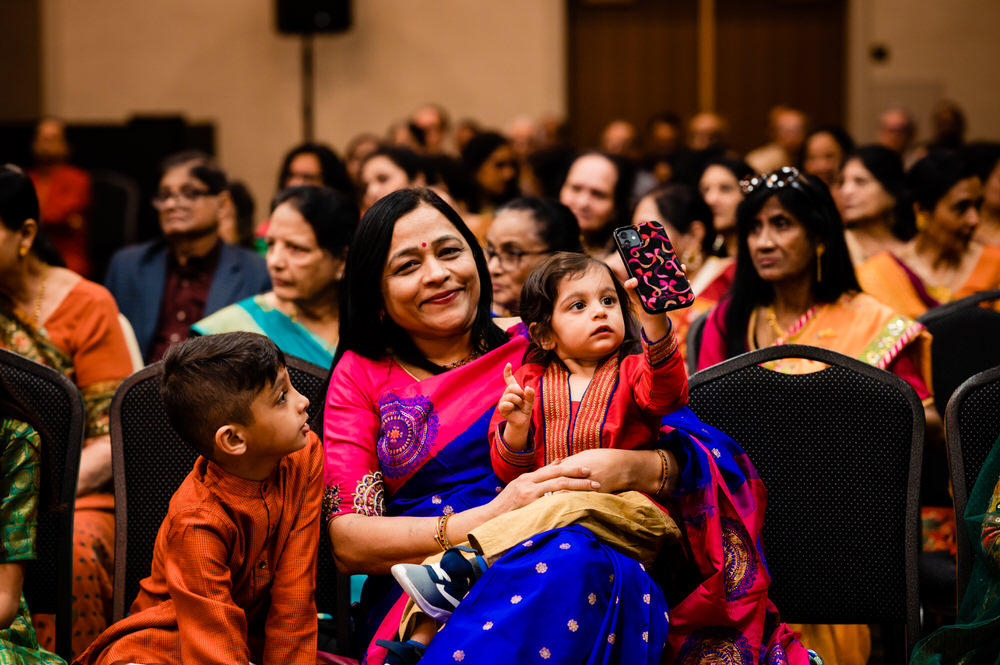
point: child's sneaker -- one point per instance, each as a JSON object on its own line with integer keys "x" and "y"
{"x": 438, "y": 588}
{"x": 402, "y": 653}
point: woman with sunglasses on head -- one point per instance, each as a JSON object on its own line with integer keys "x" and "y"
{"x": 522, "y": 234}
{"x": 795, "y": 284}
{"x": 55, "y": 317}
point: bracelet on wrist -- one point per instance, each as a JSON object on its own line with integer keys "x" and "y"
{"x": 664, "y": 470}
{"x": 441, "y": 535}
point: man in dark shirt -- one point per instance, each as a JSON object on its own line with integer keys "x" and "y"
{"x": 165, "y": 285}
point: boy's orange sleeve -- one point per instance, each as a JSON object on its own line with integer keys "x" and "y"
{"x": 212, "y": 628}
{"x": 290, "y": 630}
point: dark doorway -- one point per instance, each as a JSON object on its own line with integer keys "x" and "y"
{"x": 631, "y": 58}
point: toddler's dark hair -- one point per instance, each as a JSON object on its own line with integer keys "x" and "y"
{"x": 541, "y": 290}
{"x": 212, "y": 381}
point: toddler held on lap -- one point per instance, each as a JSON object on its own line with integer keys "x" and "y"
{"x": 579, "y": 389}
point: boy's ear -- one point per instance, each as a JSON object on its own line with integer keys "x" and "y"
{"x": 229, "y": 439}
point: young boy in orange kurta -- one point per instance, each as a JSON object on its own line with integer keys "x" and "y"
{"x": 234, "y": 565}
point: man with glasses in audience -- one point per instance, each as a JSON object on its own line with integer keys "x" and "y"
{"x": 165, "y": 285}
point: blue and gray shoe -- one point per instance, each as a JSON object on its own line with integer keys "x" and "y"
{"x": 438, "y": 588}
{"x": 402, "y": 653}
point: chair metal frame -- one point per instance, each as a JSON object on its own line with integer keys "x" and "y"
{"x": 61, "y": 519}
{"x": 337, "y": 598}
{"x": 958, "y": 462}
{"x": 911, "y": 612}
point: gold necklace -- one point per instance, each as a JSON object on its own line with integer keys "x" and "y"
{"x": 40, "y": 296}
{"x": 772, "y": 320}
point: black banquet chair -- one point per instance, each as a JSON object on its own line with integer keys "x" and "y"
{"x": 972, "y": 425}
{"x": 149, "y": 460}
{"x": 964, "y": 334}
{"x": 839, "y": 451}
{"x": 48, "y": 580}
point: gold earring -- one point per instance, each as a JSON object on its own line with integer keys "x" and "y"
{"x": 23, "y": 251}
{"x": 922, "y": 221}
{"x": 820, "y": 249}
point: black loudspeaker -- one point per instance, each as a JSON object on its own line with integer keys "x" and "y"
{"x": 296, "y": 17}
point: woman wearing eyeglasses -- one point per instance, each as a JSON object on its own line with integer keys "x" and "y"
{"x": 522, "y": 234}
{"x": 795, "y": 284}
{"x": 55, "y": 317}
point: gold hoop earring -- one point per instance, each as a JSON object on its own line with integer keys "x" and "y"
{"x": 820, "y": 250}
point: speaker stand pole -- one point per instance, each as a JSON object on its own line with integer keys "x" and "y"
{"x": 307, "y": 87}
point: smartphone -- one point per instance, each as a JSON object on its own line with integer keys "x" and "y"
{"x": 649, "y": 257}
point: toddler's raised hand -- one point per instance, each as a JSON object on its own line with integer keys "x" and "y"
{"x": 656, "y": 326}
{"x": 515, "y": 406}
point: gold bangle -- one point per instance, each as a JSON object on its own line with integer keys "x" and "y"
{"x": 665, "y": 467}
{"x": 441, "y": 537}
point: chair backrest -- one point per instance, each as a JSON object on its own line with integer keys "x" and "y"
{"x": 150, "y": 460}
{"x": 839, "y": 451}
{"x": 48, "y": 582}
{"x": 964, "y": 342}
{"x": 972, "y": 425}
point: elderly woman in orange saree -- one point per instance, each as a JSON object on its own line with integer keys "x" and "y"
{"x": 55, "y": 317}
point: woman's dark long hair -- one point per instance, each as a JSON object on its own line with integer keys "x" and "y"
{"x": 808, "y": 200}
{"x": 18, "y": 204}
{"x": 363, "y": 327}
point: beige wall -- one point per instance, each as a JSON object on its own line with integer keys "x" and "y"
{"x": 222, "y": 61}
{"x": 937, "y": 50}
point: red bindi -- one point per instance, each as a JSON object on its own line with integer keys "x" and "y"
{"x": 423, "y": 244}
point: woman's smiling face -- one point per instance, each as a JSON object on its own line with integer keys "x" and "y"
{"x": 430, "y": 285}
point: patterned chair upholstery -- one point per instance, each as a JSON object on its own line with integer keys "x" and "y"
{"x": 839, "y": 451}
{"x": 972, "y": 425}
{"x": 48, "y": 582}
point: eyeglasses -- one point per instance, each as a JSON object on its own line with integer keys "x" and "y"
{"x": 510, "y": 259}
{"x": 779, "y": 179}
{"x": 183, "y": 195}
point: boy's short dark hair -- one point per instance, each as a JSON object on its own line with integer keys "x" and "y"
{"x": 212, "y": 381}
{"x": 541, "y": 290}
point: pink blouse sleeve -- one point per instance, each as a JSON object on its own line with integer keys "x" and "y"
{"x": 350, "y": 434}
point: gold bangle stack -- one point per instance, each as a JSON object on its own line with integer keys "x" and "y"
{"x": 441, "y": 537}
{"x": 664, "y": 468}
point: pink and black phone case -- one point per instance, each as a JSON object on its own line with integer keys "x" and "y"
{"x": 649, "y": 257}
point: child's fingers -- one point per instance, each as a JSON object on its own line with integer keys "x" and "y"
{"x": 529, "y": 396}
{"x": 508, "y": 376}
{"x": 631, "y": 283}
